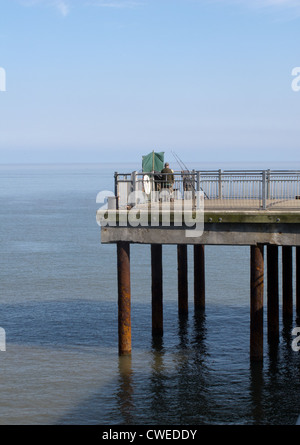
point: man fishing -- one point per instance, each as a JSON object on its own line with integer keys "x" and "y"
{"x": 168, "y": 177}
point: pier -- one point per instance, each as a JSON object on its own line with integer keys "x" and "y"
{"x": 259, "y": 209}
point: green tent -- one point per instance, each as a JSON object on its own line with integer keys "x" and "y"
{"x": 153, "y": 162}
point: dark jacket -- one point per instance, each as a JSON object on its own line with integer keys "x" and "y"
{"x": 168, "y": 180}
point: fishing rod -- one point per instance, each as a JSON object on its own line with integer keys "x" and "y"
{"x": 179, "y": 161}
{"x": 182, "y": 164}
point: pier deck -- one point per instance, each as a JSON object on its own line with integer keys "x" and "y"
{"x": 220, "y": 227}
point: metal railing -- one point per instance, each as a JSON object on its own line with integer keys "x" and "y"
{"x": 222, "y": 189}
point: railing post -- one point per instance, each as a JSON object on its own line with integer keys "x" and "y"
{"x": 193, "y": 190}
{"x": 198, "y": 181}
{"x": 133, "y": 181}
{"x": 220, "y": 184}
{"x": 134, "y": 186}
{"x": 268, "y": 183}
{"x": 116, "y": 190}
{"x": 263, "y": 189}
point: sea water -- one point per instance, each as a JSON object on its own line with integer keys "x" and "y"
{"x": 58, "y": 308}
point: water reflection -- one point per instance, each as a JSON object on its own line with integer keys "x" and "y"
{"x": 175, "y": 382}
{"x": 200, "y": 332}
{"x": 125, "y": 390}
{"x": 256, "y": 392}
{"x": 183, "y": 330}
{"x": 199, "y": 373}
{"x": 185, "y": 385}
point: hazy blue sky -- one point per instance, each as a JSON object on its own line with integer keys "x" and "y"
{"x": 94, "y": 80}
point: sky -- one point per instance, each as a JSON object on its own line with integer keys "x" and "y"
{"x": 111, "y": 80}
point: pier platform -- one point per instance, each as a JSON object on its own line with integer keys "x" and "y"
{"x": 255, "y": 212}
{"x": 220, "y": 227}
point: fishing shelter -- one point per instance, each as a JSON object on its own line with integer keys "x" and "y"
{"x": 153, "y": 162}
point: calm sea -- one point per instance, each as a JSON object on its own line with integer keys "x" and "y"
{"x": 58, "y": 307}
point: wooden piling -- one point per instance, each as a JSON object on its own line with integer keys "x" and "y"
{"x": 182, "y": 279}
{"x": 199, "y": 277}
{"x": 157, "y": 289}
{"x": 124, "y": 297}
{"x": 287, "y": 282}
{"x": 272, "y": 292}
{"x": 256, "y": 302}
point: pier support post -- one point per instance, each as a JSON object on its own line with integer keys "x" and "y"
{"x": 287, "y": 282}
{"x": 199, "y": 277}
{"x": 157, "y": 289}
{"x": 182, "y": 279}
{"x": 124, "y": 297}
{"x": 256, "y": 303}
{"x": 298, "y": 281}
{"x": 272, "y": 292}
